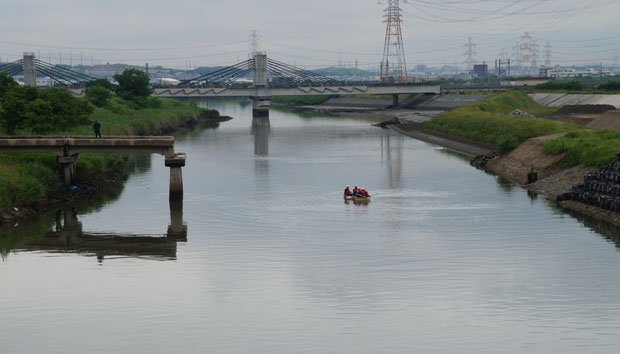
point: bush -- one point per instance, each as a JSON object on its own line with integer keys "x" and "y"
{"x": 586, "y": 147}
{"x": 98, "y": 95}
{"x": 568, "y": 85}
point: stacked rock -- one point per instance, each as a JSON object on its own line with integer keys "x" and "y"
{"x": 600, "y": 188}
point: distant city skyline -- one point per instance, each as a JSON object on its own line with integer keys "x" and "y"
{"x": 311, "y": 34}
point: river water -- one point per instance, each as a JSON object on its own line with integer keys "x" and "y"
{"x": 264, "y": 255}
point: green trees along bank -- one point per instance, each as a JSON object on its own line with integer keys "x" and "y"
{"x": 127, "y": 109}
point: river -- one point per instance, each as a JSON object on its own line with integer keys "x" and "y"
{"x": 265, "y": 256}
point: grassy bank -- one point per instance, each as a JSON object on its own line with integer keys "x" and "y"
{"x": 29, "y": 179}
{"x": 489, "y": 121}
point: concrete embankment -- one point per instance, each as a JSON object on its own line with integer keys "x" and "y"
{"x": 561, "y": 99}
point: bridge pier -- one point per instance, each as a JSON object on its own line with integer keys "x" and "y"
{"x": 175, "y": 163}
{"x": 68, "y": 165}
{"x": 30, "y": 72}
{"x": 395, "y": 102}
{"x": 260, "y": 106}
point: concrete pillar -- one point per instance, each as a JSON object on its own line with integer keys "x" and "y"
{"x": 68, "y": 166}
{"x": 176, "y": 162}
{"x": 30, "y": 73}
{"x": 395, "y": 100}
{"x": 260, "y": 106}
{"x": 260, "y": 70}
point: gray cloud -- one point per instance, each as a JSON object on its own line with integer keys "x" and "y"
{"x": 308, "y": 33}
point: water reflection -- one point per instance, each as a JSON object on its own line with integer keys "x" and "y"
{"x": 608, "y": 230}
{"x": 68, "y": 236}
{"x": 261, "y": 128}
{"x": 392, "y": 152}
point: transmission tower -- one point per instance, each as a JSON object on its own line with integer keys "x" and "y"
{"x": 254, "y": 43}
{"x": 547, "y": 54}
{"x": 393, "y": 67}
{"x": 526, "y": 54}
{"x": 470, "y": 55}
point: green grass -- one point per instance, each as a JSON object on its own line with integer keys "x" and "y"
{"x": 585, "y": 147}
{"x": 489, "y": 121}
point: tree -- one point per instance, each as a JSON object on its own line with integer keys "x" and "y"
{"x": 133, "y": 85}
{"x": 13, "y": 103}
{"x": 6, "y": 83}
{"x": 98, "y": 95}
{"x": 42, "y": 111}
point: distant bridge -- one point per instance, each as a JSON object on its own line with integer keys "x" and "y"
{"x": 269, "y": 78}
{"x": 295, "y": 91}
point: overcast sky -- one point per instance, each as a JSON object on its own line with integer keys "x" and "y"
{"x": 309, "y": 34}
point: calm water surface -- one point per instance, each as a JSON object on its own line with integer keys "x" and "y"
{"x": 444, "y": 259}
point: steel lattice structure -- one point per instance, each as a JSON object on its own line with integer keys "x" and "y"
{"x": 393, "y": 66}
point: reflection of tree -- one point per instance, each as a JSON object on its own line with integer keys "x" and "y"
{"x": 139, "y": 163}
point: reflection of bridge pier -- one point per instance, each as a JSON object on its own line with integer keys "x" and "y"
{"x": 177, "y": 230}
{"x": 261, "y": 127}
{"x": 68, "y": 237}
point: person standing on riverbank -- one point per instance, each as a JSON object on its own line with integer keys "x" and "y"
{"x": 97, "y": 129}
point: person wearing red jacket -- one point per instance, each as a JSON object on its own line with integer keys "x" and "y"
{"x": 347, "y": 192}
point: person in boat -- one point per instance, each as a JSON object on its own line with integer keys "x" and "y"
{"x": 355, "y": 191}
{"x": 347, "y": 192}
{"x": 363, "y": 193}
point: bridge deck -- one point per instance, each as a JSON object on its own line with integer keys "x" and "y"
{"x": 57, "y": 144}
{"x": 294, "y": 91}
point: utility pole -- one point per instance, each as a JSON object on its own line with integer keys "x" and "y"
{"x": 547, "y": 54}
{"x": 393, "y": 66}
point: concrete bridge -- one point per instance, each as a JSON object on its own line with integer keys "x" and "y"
{"x": 295, "y": 91}
{"x": 291, "y": 81}
{"x": 68, "y": 149}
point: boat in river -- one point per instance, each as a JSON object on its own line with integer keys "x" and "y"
{"x": 357, "y": 199}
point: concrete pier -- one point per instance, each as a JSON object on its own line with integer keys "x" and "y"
{"x": 68, "y": 167}
{"x": 30, "y": 73}
{"x": 176, "y": 162}
{"x": 260, "y": 106}
{"x": 260, "y": 102}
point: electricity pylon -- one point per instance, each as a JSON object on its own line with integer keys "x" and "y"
{"x": 393, "y": 66}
